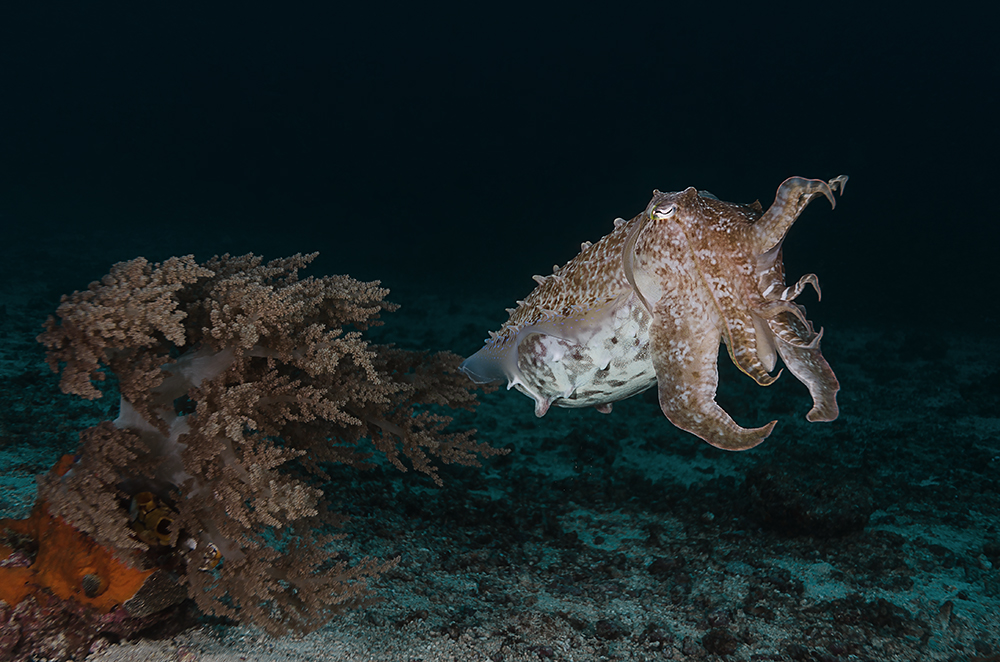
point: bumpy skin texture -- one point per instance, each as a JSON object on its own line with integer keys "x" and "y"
{"x": 650, "y": 303}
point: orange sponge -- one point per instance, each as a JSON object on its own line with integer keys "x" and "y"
{"x": 68, "y": 564}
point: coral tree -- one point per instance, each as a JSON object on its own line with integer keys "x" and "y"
{"x": 239, "y": 381}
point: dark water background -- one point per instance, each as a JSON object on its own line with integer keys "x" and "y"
{"x": 459, "y": 148}
{"x": 470, "y": 146}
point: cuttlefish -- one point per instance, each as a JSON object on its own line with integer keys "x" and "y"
{"x": 651, "y": 302}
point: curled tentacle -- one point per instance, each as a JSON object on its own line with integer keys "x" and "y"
{"x": 793, "y": 292}
{"x": 774, "y": 308}
{"x": 793, "y": 196}
{"x": 794, "y": 332}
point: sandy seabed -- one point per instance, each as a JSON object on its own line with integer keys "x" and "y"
{"x": 618, "y": 537}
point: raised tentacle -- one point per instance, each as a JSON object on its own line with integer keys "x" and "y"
{"x": 793, "y": 196}
{"x": 793, "y": 292}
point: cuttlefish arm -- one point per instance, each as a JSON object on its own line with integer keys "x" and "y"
{"x": 684, "y": 341}
{"x": 794, "y": 338}
{"x": 685, "y": 356}
{"x": 798, "y": 346}
{"x": 793, "y": 196}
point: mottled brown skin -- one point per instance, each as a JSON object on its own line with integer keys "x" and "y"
{"x": 689, "y": 272}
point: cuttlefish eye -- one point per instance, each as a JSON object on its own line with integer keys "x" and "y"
{"x": 660, "y": 213}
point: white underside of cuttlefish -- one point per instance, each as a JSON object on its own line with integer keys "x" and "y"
{"x": 650, "y": 303}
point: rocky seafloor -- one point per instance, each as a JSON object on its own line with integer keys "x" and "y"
{"x": 618, "y": 537}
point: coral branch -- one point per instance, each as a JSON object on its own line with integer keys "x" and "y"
{"x": 228, "y": 371}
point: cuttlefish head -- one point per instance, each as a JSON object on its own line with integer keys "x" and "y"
{"x": 709, "y": 271}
